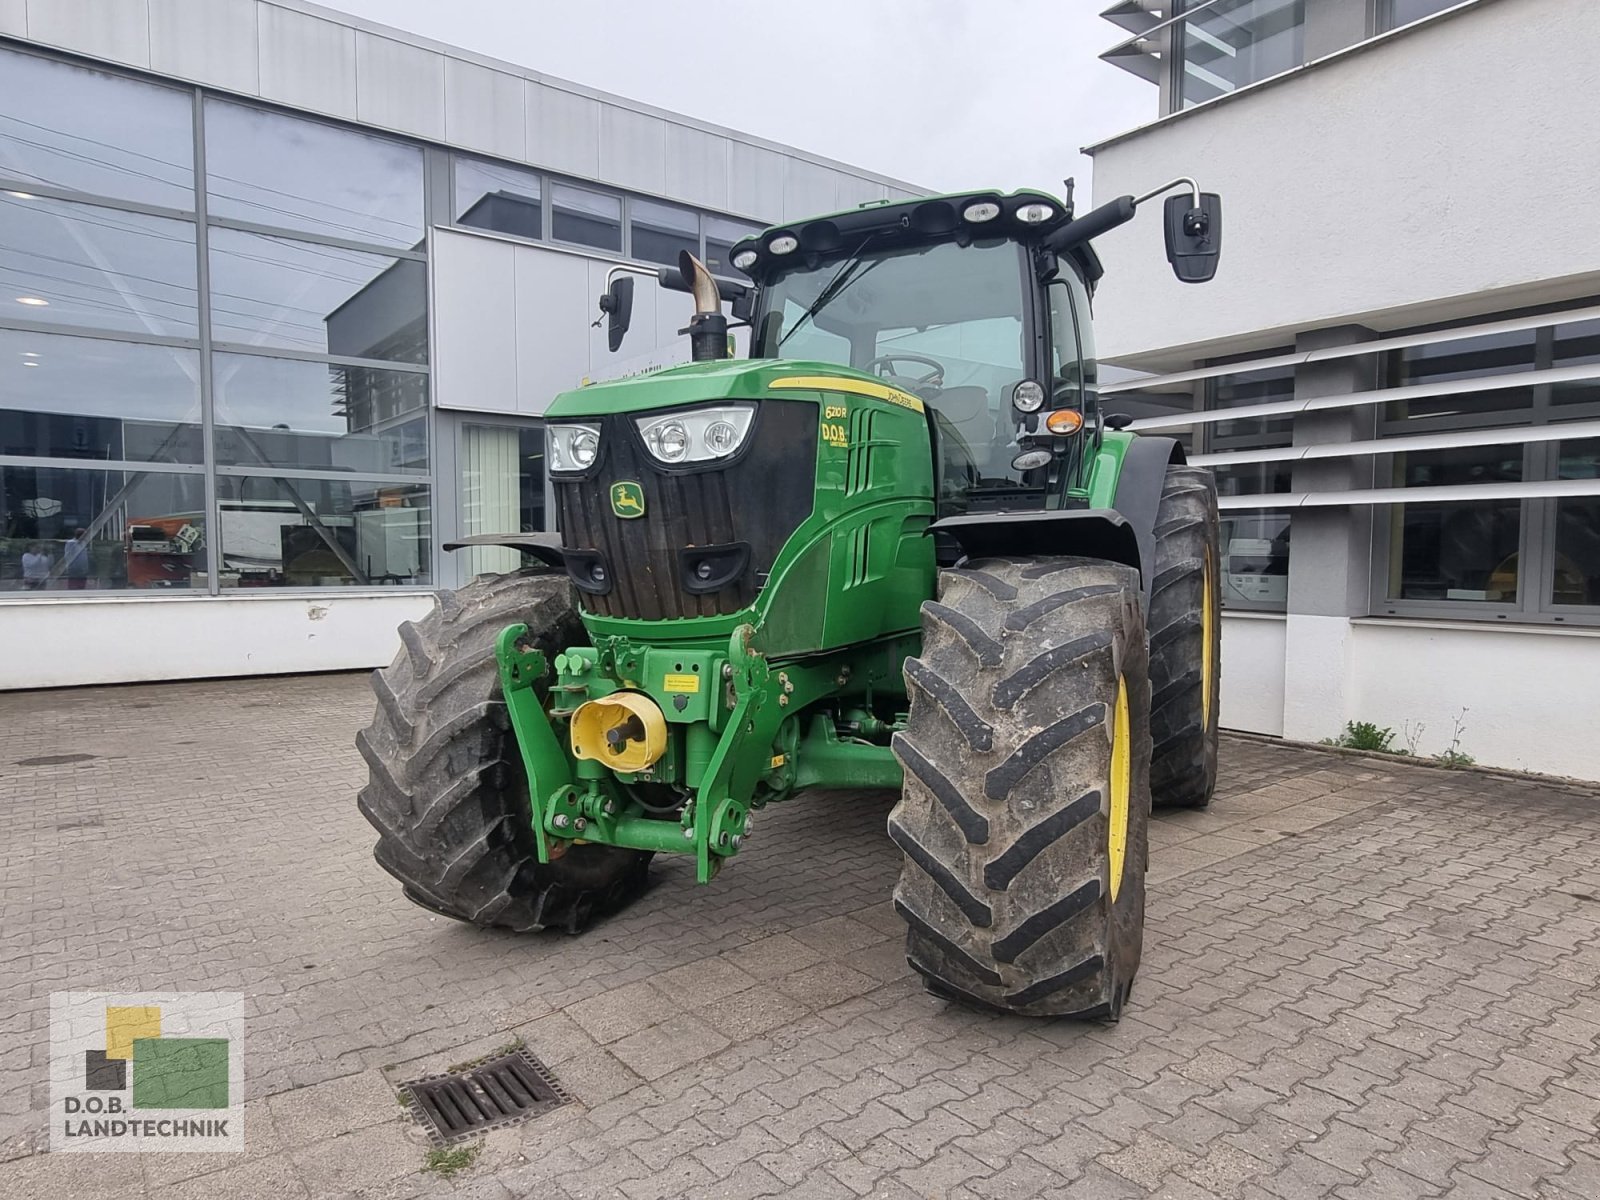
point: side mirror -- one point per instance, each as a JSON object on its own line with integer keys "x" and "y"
{"x": 1194, "y": 237}
{"x": 617, "y": 305}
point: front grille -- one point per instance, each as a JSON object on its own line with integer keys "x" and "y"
{"x": 758, "y": 499}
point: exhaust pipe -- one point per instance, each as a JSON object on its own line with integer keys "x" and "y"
{"x": 708, "y": 328}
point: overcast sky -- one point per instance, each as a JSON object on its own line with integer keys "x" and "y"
{"x": 948, "y": 94}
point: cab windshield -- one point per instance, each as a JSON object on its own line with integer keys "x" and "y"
{"x": 944, "y": 322}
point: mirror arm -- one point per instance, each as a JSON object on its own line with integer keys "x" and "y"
{"x": 1181, "y": 181}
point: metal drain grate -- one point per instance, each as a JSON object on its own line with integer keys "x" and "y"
{"x": 506, "y": 1090}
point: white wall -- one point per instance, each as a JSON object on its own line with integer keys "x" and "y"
{"x": 1532, "y": 696}
{"x": 1528, "y": 698}
{"x": 1252, "y": 672}
{"x": 133, "y": 638}
{"x": 1409, "y": 174}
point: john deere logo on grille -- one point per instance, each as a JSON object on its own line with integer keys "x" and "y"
{"x": 627, "y": 499}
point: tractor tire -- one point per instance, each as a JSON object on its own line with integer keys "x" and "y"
{"x": 1019, "y": 779}
{"x": 1185, "y": 642}
{"x": 447, "y": 790}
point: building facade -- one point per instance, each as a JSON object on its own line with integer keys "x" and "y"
{"x": 1396, "y": 373}
{"x": 283, "y": 295}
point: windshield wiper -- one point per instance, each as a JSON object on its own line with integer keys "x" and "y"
{"x": 842, "y": 278}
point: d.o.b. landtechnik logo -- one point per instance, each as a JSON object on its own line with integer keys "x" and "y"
{"x": 147, "y": 1072}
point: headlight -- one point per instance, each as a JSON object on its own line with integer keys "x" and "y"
{"x": 984, "y": 210}
{"x": 745, "y": 259}
{"x": 698, "y": 435}
{"x": 571, "y": 447}
{"x": 1028, "y": 396}
{"x": 1033, "y": 214}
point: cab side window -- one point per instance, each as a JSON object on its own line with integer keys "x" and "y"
{"x": 1074, "y": 374}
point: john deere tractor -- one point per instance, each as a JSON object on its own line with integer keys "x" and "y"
{"x": 900, "y": 546}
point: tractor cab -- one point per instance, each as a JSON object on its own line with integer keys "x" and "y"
{"x": 977, "y": 303}
{"x": 967, "y": 326}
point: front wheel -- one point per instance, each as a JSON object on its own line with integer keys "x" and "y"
{"x": 447, "y": 791}
{"x": 1024, "y": 818}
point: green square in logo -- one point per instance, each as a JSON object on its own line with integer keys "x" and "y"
{"x": 627, "y": 499}
{"x": 180, "y": 1073}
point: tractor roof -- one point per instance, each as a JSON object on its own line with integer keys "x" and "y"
{"x": 1023, "y": 216}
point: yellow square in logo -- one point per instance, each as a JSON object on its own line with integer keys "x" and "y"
{"x": 125, "y": 1025}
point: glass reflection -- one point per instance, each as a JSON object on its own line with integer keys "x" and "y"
{"x": 283, "y": 531}
{"x": 1455, "y": 551}
{"x": 71, "y": 397}
{"x": 503, "y": 199}
{"x": 78, "y": 128}
{"x": 662, "y": 231}
{"x": 99, "y": 268}
{"x": 65, "y": 529}
{"x": 585, "y": 217}
{"x": 268, "y": 291}
{"x": 316, "y": 415}
{"x": 279, "y": 170}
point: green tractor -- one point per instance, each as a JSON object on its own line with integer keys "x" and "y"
{"x": 900, "y": 546}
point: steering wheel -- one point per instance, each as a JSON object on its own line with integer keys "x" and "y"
{"x": 884, "y": 366}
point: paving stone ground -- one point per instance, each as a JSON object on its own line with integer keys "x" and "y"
{"x": 1361, "y": 979}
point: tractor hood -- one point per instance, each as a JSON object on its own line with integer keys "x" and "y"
{"x": 726, "y": 379}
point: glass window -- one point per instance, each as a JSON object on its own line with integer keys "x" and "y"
{"x": 943, "y": 320}
{"x": 289, "y": 413}
{"x": 73, "y": 127}
{"x": 722, "y": 234}
{"x": 72, "y": 397}
{"x": 806, "y": 340}
{"x": 1255, "y": 559}
{"x": 1464, "y": 358}
{"x": 98, "y": 268}
{"x": 268, "y": 291}
{"x": 1576, "y": 345}
{"x": 1403, "y": 12}
{"x": 1253, "y": 479}
{"x": 65, "y": 529}
{"x": 1456, "y": 550}
{"x": 1576, "y": 568}
{"x": 502, "y": 489}
{"x": 661, "y": 231}
{"x": 1270, "y": 386}
{"x": 284, "y": 531}
{"x": 1238, "y": 42}
{"x": 585, "y": 217}
{"x": 502, "y": 199}
{"x": 1072, "y": 338}
{"x": 303, "y": 175}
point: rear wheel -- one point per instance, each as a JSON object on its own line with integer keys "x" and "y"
{"x": 447, "y": 790}
{"x": 1185, "y": 641}
{"x": 1024, "y": 818}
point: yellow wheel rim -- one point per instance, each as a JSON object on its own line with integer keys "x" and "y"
{"x": 1208, "y": 653}
{"x": 1121, "y": 782}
